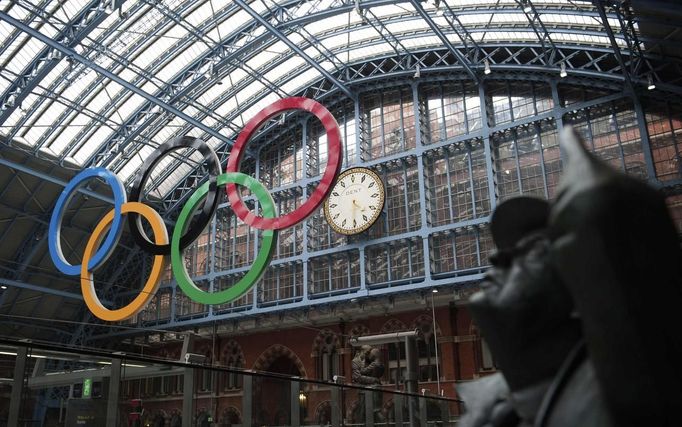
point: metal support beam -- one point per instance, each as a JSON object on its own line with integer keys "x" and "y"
{"x": 337, "y": 405}
{"x": 461, "y": 58}
{"x": 411, "y": 378}
{"x": 274, "y": 31}
{"x": 101, "y": 70}
{"x": 247, "y": 400}
{"x": 188, "y": 398}
{"x": 398, "y": 409}
{"x": 599, "y": 4}
{"x": 112, "y": 397}
{"x": 74, "y": 32}
{"x": 42, "y": 289}
{"x": 295, "y": 407}
{"x": 17, "y": 386}
{"x": 25, "y": 169}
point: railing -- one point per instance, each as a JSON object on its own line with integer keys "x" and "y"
{"x": 43, "y": 385}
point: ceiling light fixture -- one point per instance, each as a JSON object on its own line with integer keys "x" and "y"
{"x": 651, "y": 85}
{"x": 563, "y": 72}
{"x": 486, "y": 69}
{"x": 417, "y": 73}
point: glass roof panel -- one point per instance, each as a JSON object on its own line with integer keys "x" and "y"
{"x": 153, "y": 32}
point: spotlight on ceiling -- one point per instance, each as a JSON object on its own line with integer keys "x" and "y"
{"x": 563, "y": 72}
{"x": 417, "y": 73}
{"x": 651, "y": 85}
{"x": 486, "y": 69}
{"x": 434, "y": 290}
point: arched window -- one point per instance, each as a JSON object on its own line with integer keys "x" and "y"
{"x": 326, "y": 355}
{"x": 232, "y": 357}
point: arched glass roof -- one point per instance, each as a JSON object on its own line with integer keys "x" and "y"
{"x": 101, "y": 83}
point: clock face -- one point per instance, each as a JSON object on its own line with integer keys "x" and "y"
{"x": 355, "y": 202}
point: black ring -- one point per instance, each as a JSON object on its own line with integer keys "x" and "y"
{"x": 210, "y": 204}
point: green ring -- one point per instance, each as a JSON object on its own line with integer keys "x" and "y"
{"x": 264, "y": 253}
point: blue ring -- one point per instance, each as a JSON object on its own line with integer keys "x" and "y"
{"x": 54, "y": 242}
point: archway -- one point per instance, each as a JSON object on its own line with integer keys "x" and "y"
{"x": 273, "y": 393}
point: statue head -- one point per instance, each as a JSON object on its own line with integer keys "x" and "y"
{"x": 522, "y": 310}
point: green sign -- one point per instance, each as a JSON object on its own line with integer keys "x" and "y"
{"x": 87, "y": 387}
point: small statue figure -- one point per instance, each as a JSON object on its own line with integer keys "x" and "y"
{"x": 367, "y": 369}
{"x": 362, "y": 373}
{"x": 579, "y": 308}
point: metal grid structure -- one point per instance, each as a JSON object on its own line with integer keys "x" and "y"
{"x": 456, "y": 104}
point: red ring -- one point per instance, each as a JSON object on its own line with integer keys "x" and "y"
{"x": 323, "y": 188}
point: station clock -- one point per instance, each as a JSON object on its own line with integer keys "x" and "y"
{"x": 355, "y": 202}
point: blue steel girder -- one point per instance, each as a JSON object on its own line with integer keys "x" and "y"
{"x": 77, "y": 69}
{"x": 74, "y": 32}
{"x": 26, "y": 322}
{"x": 175, "y": 198}
{"x": 626, "y": 18}
{"x": 38, "y": 288}
{"x": 283, "y": 13}
{"x": 67, "y": 51}
{"x": 298, "y": 22}
{"x": 127, "y": 268}
{"x": 176, "y": 90}
{"x": 385, "y": 34}
{"x": 282, "y": 37}
{"x": 228, "y": 56}
{"x": 540, "y": 30}
{"x": 353, "y": 293}
{"x": 471, "y": 49}
{"x": 460, "y": 56}
{"x": 600, "y": 4}
{"x": 8, "y": 41}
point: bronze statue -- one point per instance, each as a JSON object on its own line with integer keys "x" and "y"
{"x": 367, "y": 370}
{"x": 579, "y": 306}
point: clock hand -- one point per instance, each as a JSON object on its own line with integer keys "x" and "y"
{"x": 356, "y": 204}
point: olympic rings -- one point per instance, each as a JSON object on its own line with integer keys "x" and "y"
{"x": 323, "y": 188}
{"x": 263, "y": 258}
{"x": 210, "y": 205}
{"x": 98, "y": 249}
{"x": 54, "y": 233}
{"x": 152, "y": 284}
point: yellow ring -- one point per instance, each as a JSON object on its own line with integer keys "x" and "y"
{"x": 87, "y": 283}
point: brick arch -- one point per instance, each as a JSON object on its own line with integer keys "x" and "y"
{"x": 322, "y": 406}
{"x": 325, "y": 341}
{"x": 393, "y": 325}
{"x": 226, "y": 412}
{"x": 423, "y": 319}
{"x": 275, "y": 351}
